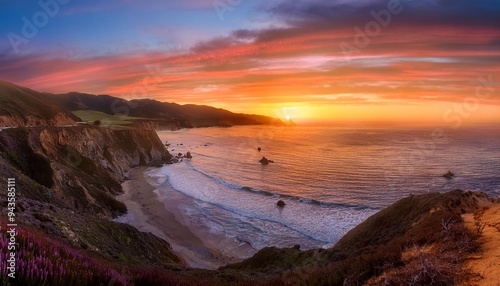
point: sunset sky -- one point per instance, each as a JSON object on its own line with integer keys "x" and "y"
{"x": 367, "y": 60}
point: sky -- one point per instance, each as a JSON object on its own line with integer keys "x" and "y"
{"x": 432, "y": 61}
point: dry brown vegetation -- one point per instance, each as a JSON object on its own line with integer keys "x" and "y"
{"x": 420, "y": 240}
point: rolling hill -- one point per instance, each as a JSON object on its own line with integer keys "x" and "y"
{"x": 20, "y": 106}
{"x": 159, "y": 114}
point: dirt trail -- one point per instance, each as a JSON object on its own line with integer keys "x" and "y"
{"x": 487, "y": 263}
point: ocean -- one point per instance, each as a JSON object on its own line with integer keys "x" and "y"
{"x": 331, "y": 178}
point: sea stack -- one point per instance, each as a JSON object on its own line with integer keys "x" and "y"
{"x": 188, "y": 155}
{"x": 281, "y": 204}
{"x": 264, "y": 161}
{"x": 449, "y": 175}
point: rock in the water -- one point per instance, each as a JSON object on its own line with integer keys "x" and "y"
{"x": 449, "y": 175}
{"x": 264, "y": 161}
{"x": 179, "y": 155}
{"x": 271, "y": 161}
{"x": 188, "y": 155}
{"x": 259, "y": 149}
{"x": 281, "y": 204}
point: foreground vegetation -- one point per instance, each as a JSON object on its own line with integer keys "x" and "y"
{"x": 41, "y": 260}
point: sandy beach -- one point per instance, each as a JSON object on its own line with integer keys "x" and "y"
{"x": 149, "y": 213}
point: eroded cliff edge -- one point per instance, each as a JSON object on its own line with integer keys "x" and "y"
{"x": 67, "y": 179}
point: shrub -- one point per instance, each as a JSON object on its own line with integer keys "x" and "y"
{"x": 43, "y": 261}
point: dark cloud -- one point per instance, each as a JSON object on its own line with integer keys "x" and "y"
{"x": 244, "y": 34}
{"x": 480, "y": 13}
{"x": 214, "y": 44}
{"x": 441, "y": 19}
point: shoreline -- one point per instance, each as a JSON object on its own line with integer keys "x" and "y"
{"x": 149, "y": 213}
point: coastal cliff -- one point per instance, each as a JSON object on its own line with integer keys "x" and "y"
{"x": 81, "y": 167}
{"x": 67, "y": 179}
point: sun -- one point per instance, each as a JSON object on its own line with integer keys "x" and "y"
{"x": 288, "y": 114}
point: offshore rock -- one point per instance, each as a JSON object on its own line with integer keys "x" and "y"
{"x": 264, "y": 161}
{"x": 449, "y": 175}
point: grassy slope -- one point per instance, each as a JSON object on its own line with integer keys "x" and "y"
{"x": 20, "y": 101}
{"x": 185, "y": 115}
{"x": 106, "y": 119}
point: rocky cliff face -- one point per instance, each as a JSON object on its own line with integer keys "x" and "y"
{"x": 161, "y": 124}
{"x": 66, "y": 179}
{"x": 58, "y": 119}
{"x": 82, "y": 166}
{"x": 115, "y": 151}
